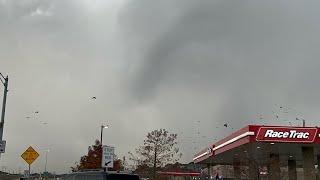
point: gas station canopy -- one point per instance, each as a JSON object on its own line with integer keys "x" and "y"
{"x": 259, "y": 143}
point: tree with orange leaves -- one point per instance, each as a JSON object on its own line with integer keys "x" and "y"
{"x": 93, "y": 159}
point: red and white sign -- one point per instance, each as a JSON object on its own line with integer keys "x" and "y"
{"x": 284, "y": 134}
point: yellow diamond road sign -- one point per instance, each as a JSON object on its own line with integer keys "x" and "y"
{"x": 30, "y": 155}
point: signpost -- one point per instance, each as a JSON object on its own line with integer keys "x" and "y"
{"x": 107, "y": 156}
{"x": 30, "y": 155}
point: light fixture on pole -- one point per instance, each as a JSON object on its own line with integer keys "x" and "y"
{"x": 101, "y": 135}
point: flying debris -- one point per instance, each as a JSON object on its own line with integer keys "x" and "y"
{"x": 276, "y": 115}
{"x": 94, "y": 97}
{"x": 42, "y": 122}
{"x": 37, "y": 112}
{"x": 260, "y": 117}
{"x": 225, "y": 125}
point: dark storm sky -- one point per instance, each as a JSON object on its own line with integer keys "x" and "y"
{"x": 187, "y": 66}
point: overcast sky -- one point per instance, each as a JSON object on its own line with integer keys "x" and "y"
{"x": 188, "y": 66}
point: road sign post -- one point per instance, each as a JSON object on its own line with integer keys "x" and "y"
{"x": 30, "y": 155}
{"x": 107, "y": 157}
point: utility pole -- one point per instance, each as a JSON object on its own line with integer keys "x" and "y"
{"x": 5, "y": 82}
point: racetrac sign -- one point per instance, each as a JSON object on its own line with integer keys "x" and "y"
{"x": 285, "y": 134}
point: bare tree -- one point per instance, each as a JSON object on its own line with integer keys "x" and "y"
{"x": 158, "y": 149}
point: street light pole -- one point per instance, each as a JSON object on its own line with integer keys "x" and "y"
{"x": 303, "y": 121}
{"x": 5, "y": 82}
{"x": 45, "y": 165}
{"x": 45, "y": 174}
{"x": 101, "y": 133}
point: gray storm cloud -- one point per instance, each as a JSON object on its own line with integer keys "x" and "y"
{"x": 252, "y": 50}
{"x": 188, "y": 66}
{"x": 245, "y": 57}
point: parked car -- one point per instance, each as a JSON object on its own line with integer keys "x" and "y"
{"x": 101, "y": 175}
